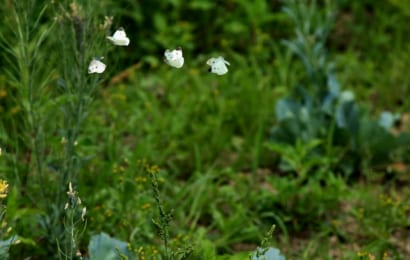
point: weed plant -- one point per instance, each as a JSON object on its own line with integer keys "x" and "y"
{"x": 46, "y": 84}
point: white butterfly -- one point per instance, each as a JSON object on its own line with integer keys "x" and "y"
{"x": 218, "y": 65}
{"x": 174, "y": 58}
{"x": 119, "y": 38}
{"x": 96, "y": 66}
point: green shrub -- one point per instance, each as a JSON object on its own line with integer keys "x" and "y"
{"x": 318, "y": 109}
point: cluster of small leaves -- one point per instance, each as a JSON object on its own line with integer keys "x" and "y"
{"x": 164, "y": 217}
{"x": 162, "y": 225}
{"x": 266, "y": 252}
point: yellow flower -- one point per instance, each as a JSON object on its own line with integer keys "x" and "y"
{"x": 146, "y": 206}
{"x": 3, "y": 189}
{"x": 3, "y": 93}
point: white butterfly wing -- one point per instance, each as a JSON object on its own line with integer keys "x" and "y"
{"x": 119, "y": 34}
{"x": 211, "y": 61}
{"x": 221, "y": 59}
{"x": 177, "y": 63}
{"x": 177, "y": 53}
{"x": 218, "y": 65}
{"x": 219, "y": 68}
{"x": 96, "y": 66}
{"x": 119, "y": 38}
{"x": 122, "y": 42}
{"x": 174, "y": 58}
{"x": 169, "y": 55}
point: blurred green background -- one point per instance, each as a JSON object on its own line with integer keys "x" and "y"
{"x": 333, "y": 178}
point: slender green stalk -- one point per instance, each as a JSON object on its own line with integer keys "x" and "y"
{"x": 164, "y": 217}
{"x": 77, "y": 45}
{"x": 74, "y": 221}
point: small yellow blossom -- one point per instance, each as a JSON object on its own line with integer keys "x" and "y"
{"x": 108, "y": 213}
{"x": 15, "y": 110}
{"x": 3, "y": 189}
{"x": 152, "y": 169}
{"x": 115, "y": 168}
{"x": 140, "y": 179}
{"x": 146, "y": 206}
{"x": 3, "y": 93}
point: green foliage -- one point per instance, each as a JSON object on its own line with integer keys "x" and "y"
{"x": 334, "y": 94}
{"x": 26, "y": 76}
{"x": 5, "y": 247}
{"x": 164, "y": 217}
{"x": 44, "y": 174}
{"x": 301, "y": 158}
{"x": 104, "y": 247}
{"x": 6, "y": 238}
{"x": 318, "y": 113}
{"x": 268, "y": 254}
{"x": 74, "y": 224}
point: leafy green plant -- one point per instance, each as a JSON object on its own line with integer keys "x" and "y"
{"x": 162, "y": 225}
{"x": 270, "y": 253}
{"x": 319, "y": 110}
{"x": 301, "y": 158}
{"x": 104, "y": 247}
{"x": 39, "y": 130}
{"x": 29, "y": 78}
{"x": 74, "y": 224}
{"x": 164, "y": 217}
{"x": 6, "y": 239}
{"x": 265, "y": 252}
